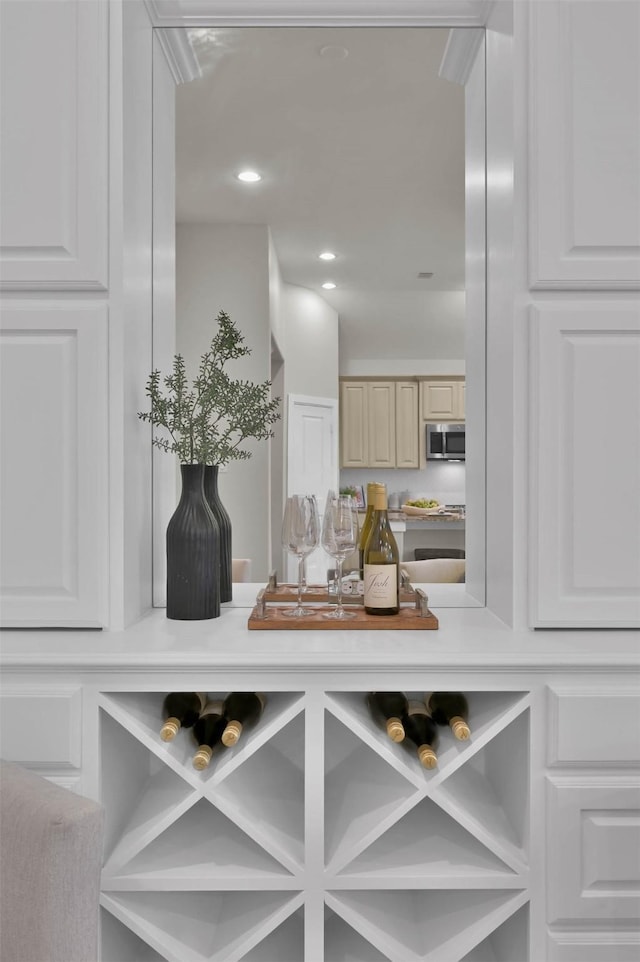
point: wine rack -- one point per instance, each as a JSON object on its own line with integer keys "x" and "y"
{"x": 415, "y": 865}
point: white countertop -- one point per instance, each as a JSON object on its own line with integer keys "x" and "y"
{"x": 468, "y": 639}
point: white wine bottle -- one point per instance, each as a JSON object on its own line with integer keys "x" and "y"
{"x": 240, "y": 708}
{"x": 181, "y": 709}
{"x": 381, "y": 562}
{"x": 207, "y": 733}
{"x": 366, "y": 524}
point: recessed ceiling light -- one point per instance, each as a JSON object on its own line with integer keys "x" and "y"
{"x": 327, "y": 256}
{"x": 333, "y": 51}
{"x": 329, "y": 286}
{"x": 425, "y": 275}
{"x": 249, "y": 176}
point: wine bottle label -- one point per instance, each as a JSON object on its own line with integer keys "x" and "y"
{"x": 381, "y": 586}
{"x": 416, "y": 708}
{"x": 202, "y": 695}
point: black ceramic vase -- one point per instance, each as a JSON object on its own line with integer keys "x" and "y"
{"x": 224, "y": 524}
{"x": 193, "y": 553}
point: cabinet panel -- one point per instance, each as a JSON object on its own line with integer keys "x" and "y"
{"x": 382, "y": 417}
{"x": 577, "y": 735}
{"x": 593, "y": 848}
{"x": 407, "y": 447}
{"x": 53, "y": 231}
{"x": 354, "y": 425}
{"x": 54, "y": 466}
{"x": 56, "y": 743}
{"x": 585, "y": 513}
{"x": 442, "y": 400}
{"x": 585, "y": 172}
{"x": 592, "y": 946}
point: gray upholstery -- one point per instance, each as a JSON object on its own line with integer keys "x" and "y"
{"x": 50, "y": 858}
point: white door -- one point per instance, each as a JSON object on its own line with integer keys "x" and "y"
{"x": 312, "y": 465}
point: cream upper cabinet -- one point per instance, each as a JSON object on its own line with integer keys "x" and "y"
{"x": 407, "y": 428}
{"x": 442, "y": 400}
{"x": 381, "y": 427}
{"x": 379, "y": 424}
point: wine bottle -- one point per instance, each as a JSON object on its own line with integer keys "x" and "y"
{"x": 450, "y": 708}
{"x": 181, "y": 709}
{"x": 420, "y": 728}
{"x": 381, "y": 563}
{"x": 388, "y": 707}
{"x": 366, "y": 524}
{"x": 240, "y": 708}
{"x": 207, "y": 733}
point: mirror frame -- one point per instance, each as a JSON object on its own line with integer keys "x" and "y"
{"x": 462, "y": 51}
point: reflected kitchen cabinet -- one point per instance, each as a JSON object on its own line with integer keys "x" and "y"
{"x": 379, "y": 424}
{"x": 442, "y": 399}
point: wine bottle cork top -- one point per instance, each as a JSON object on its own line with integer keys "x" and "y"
{"x": 427, "y": 756}
{"x": 202, "y": 757}
{"x": 231, "y": 734}
{"x": 395, "y": 729}
{"x": 170, "y": 729}
{"x": 379, "y": 498}
{"x": 460, "y": 728}
{"x": 371, "y": 488}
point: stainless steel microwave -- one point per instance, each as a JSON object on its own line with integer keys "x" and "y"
{"x": 445, "y": 441}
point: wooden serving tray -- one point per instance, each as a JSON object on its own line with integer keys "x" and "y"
{"x": 274, "y": 618}
{"x": 271, "y": 606}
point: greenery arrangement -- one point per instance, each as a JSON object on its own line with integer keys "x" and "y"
{"x": 207, "y": 422}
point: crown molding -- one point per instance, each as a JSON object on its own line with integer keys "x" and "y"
{"x": 434, "y": 13}
{"x": 460, "y": 54}
{"x": 179, "y": 54}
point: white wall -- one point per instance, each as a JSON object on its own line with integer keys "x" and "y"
{"x": 222, "y": 267}
{"x": 311, "y": 345}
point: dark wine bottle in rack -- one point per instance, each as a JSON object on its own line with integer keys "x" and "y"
{"x": 388, "y": 707}
{"x": 181, "y": 709}
{"x": 240, "y": 708}
{"x": 207, "y": 733}
{"x": 450, "y": 708}
{"x": 420, "y": 729}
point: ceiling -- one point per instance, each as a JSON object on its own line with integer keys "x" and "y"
{"x": 361, "y": 149}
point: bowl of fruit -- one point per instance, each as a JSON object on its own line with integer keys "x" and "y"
{"x": 422, "y": 507}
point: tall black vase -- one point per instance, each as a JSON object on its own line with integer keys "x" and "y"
{"x": 224, "y": 524}
{"x": 193, "y": 553}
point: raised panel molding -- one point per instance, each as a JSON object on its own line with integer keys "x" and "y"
{"x": 584, "y": 513}
{"x": 593, "y": 848}
{"x": 54, "y": 189}
{"x": 54, "y": 745}
{"x": 53, "y": 568}
{"x": 593, "y": 946}
{"x": 584, "y": 229}
{"x": 577, "y": 735}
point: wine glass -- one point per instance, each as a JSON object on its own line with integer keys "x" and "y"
{"x": 339, "y": 539}
{"x": 300, "y": 535}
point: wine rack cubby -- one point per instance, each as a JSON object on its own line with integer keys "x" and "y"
{"x": 415, "y": 865}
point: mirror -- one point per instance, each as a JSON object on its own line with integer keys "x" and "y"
{"x": 360, "y": 144}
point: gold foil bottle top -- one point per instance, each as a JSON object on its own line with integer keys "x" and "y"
{"x": 395, "y": 731}
{"x": 460, "y": 728}
{"x": 380, "y": 497}
{"x": 232, "y": 733}
{"x": 170, "y": 729}
{"x": 202, "y": 757}
{"x": 427, "y": 756}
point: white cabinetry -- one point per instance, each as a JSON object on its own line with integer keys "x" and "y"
{"x": 54, "y": 183}
{"x": 442, "y": 399}
{"x": 316, "y": 838}
{"x": 584, "y": 228}
{"x": 585, "y": 512}
{"x": 379, "y": 424}
{"x": 54, "y": 434}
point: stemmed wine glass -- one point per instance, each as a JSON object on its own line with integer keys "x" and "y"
{"x": 339, "y": 539}
{"x": 300, "y": 535}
